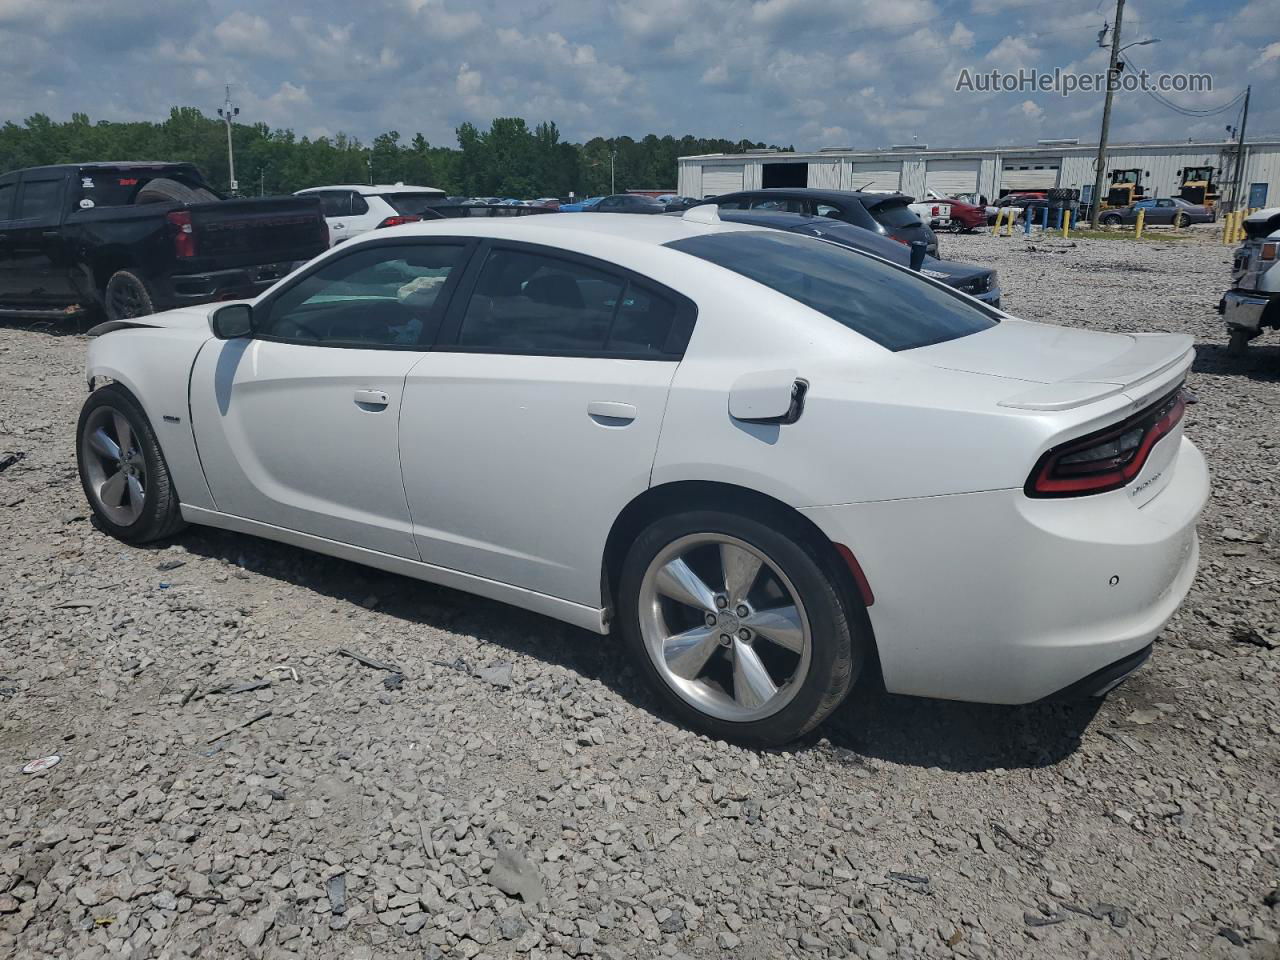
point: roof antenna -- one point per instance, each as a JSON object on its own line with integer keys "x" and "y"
{"x": 702, "y": 213}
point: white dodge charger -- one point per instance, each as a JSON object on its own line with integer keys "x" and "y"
{"x": 770, "y": 462}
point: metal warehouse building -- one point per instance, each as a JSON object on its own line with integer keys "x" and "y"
{"x": 990, "y": 171}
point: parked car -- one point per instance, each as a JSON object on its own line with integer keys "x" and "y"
{"x": 629, "y": 203}
{"x": 1160, "y": 210}
{"x": 356, "y": 208}
{"x": 680, "y": 203}
{"x": 551, "y": 203}
{"x": 1253, "y": 302}
{"x": 133, "y": 238}
{"x": 1035, "y": 206}
{"x": 965, "y": 216}
{"x": 783, "y": 495}
{"x": 885, "y": 213}
{"x": 980, "y": 282}
{"x": 578, "y": 206}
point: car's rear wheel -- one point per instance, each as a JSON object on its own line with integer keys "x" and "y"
{"x": 1110, "y": 220}
{"x": 122, "y": 469}
{"x": 1180, "y": 220}
{"x": 737, "y": 625}
{"x": 127, "y": 296}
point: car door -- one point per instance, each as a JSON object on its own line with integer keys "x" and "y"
{"x": 337, "y": 214}
{"x": 297, "y": 425}
{"x": 363, "y": 216}
{"x": 1162, "y": 212}
{"x": 9, "y": 284}
{"x": 536, "y": 418}
{"x": 41, "y": 269}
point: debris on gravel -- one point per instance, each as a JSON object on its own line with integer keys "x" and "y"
{"x": 465, "y": 780}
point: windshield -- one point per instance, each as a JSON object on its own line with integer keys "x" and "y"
{"x": 895, "y": 216}
{"x": 888, "y": 305}
{"x": 413, "y": 204}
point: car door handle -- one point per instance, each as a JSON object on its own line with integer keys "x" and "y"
{"x": 610, "y": 413}
{"x": 371, "y": 399}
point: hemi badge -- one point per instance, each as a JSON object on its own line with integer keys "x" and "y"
{"x": 169, "y": 419}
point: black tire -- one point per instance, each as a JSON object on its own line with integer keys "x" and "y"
{"x": 837, "y": 648}
{"x": 1180, "y": 220}
{"x": 1238, "y": 344}
{"x": 126, "y": 296}
{"x": 163, "y": 190}
{"x": 1110, "y": 220}
{"x": 160, "y": 515}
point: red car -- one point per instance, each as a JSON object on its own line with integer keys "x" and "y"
{"x": 964, "y": 215}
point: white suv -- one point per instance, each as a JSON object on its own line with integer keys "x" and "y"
{"x": 353, "y": 209}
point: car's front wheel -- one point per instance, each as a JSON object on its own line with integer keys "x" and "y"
{"x": 738, "y": 625}
{"x": 1110, "y": 220}
{"x": 122, "y": 469}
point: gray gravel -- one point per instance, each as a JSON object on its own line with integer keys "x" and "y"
{"x": 506, "y": 787}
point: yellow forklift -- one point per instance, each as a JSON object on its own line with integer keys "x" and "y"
{"x": 1197, "y": 186}
{"x": 1125, "y": 190}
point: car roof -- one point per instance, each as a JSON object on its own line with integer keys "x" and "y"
{"x": 778, "y": 219}
{"x": 811, "y": 193}
{"x": 107, "y": 165}
{"x": 374, "y": 189}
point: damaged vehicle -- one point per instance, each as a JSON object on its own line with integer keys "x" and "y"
{"x": 1253, "y": 302}
{"x": 772, "y": 464}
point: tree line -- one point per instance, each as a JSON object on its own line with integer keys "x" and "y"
{"x": 509, "y": 159}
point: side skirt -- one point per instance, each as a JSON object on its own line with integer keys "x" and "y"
{"x": 580, "y": 615}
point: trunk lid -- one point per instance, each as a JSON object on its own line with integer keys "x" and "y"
{"x": 244, "y": 232}
{"x": 1058, "y": 368}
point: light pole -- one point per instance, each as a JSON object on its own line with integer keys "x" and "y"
{"x": 228, "y": 111}
{"x": 612, "y": 156}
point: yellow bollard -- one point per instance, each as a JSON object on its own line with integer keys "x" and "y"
{"x": 1137, "y": 227}
{"x": 1228, "y": 223}
{"x": 1008, "y": 224}
{"x": 995, "y": 227}
{"x": 1066, "y": 223}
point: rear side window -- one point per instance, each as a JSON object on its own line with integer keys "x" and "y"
{"x": 39, "y": 199}
{"x": 412, "y": 204}
{"x": 358, "y": 205}
{"x": 7, "y": 192}
{"x": 887, "y": 305}
{"x": 895, "y": 216}
{"x": 530, "y": 303}
{"x": 336, "y": 203}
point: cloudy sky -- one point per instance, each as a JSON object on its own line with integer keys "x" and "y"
{"x": 814, "y": 73}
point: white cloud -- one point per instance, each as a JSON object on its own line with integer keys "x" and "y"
{"x": 243, "y": 33}
{"x": 961, "y": 36}
{"x": 1031, "y": 110}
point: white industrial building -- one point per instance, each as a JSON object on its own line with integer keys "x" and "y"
{"x": 989, "y": 171}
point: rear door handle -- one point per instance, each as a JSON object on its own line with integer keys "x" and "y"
{"x": 371, "y": 399}
{"x": 610, "y": 413}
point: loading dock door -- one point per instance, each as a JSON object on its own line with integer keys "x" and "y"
{"x": 951, "y": 177}
{"x": 876, "y": 175}
{"x": 1030, "y": 174}
{"x": 718, "y": 180}
{"x": 785, "y": 175}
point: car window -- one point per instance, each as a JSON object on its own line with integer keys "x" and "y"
{"x": 889, "y": 305}
{"x": 641, "y": 323}
{"x": 530, "y": 303}
{"x": 777, "y": 204}
{"x": 1164, "y": 203}
{"x": 39, "y": 199}
{"x": 735, "y": 204}
{"x": 412, "y": 204}
{"x": 895, "y": 216}
{"x": 378, "y": 296}
{"x": 358, "y": 204}
{"x": 826, "y": 210}
{"x": 7, "y": 191}
{"x": 335, "y": 203}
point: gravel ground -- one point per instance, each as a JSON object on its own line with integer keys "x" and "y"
{"x": 513, "y": 791}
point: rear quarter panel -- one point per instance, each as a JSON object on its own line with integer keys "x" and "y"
{"x": 154, "y": 364}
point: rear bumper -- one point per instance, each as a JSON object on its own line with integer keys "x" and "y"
{"x": 240, "y": 283}
{"x": 1243, "y": 311}
{"x": 999, "y": 598}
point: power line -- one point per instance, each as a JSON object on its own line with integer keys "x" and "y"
{"x": 1197, "y": 112}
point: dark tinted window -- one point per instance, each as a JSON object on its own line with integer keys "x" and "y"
{"x": 39, "y": 200}
{"x": 335, "y": 203}
{"x": 886, "y": 304}
{"x": 895, "y": 215}
{"x": 528, "y": 303}
{"x": 379, "y": 296}
{"x": 358, "y": 204}
{"x": 7, "y": 191}
{"x": 641, "y": 323}
{"x": 412, "y": 204}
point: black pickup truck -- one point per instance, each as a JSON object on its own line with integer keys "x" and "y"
{"x": 130, "y": 239}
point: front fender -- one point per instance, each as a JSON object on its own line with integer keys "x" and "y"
{"x": 154, "y": 364}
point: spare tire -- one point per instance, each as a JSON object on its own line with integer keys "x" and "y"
{"x": 163, "y": 190}
{"x": 1062, "y": 193}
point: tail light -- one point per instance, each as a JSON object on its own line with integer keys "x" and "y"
{"x": 1268, "y": 251}
{"x": 397, "y": 221}
{"x": 184, "y": 234}
{"x": 1109, "y": 458}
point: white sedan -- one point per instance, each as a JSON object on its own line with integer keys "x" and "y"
{"x": 771, "y": 463}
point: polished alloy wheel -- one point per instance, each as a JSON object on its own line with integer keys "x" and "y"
{"x": 725, "y": 627}
{"x": 116, "y": 469}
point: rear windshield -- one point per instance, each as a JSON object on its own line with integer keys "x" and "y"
{"x": 895, "y": 216}
{"x": 412, "y": 204}
{"x": 119, "y": 188}
{"x": 888, "y": 305}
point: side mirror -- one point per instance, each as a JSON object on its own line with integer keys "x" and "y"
{"x": 918, "y": 249}
{"x": 232, "y": 321}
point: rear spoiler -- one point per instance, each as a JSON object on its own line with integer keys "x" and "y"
{"x": 1154, "y": 365}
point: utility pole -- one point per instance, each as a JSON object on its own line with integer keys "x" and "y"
{"x": 612, "y": 155}
{"x": 228, "y": 111}
{"x": 1238, "y": 180}
{"x": 1100, "y": 164}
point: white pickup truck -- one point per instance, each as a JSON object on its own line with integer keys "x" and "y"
{"x": 1253, "y": 302}
{"x": 932, "y": 213}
